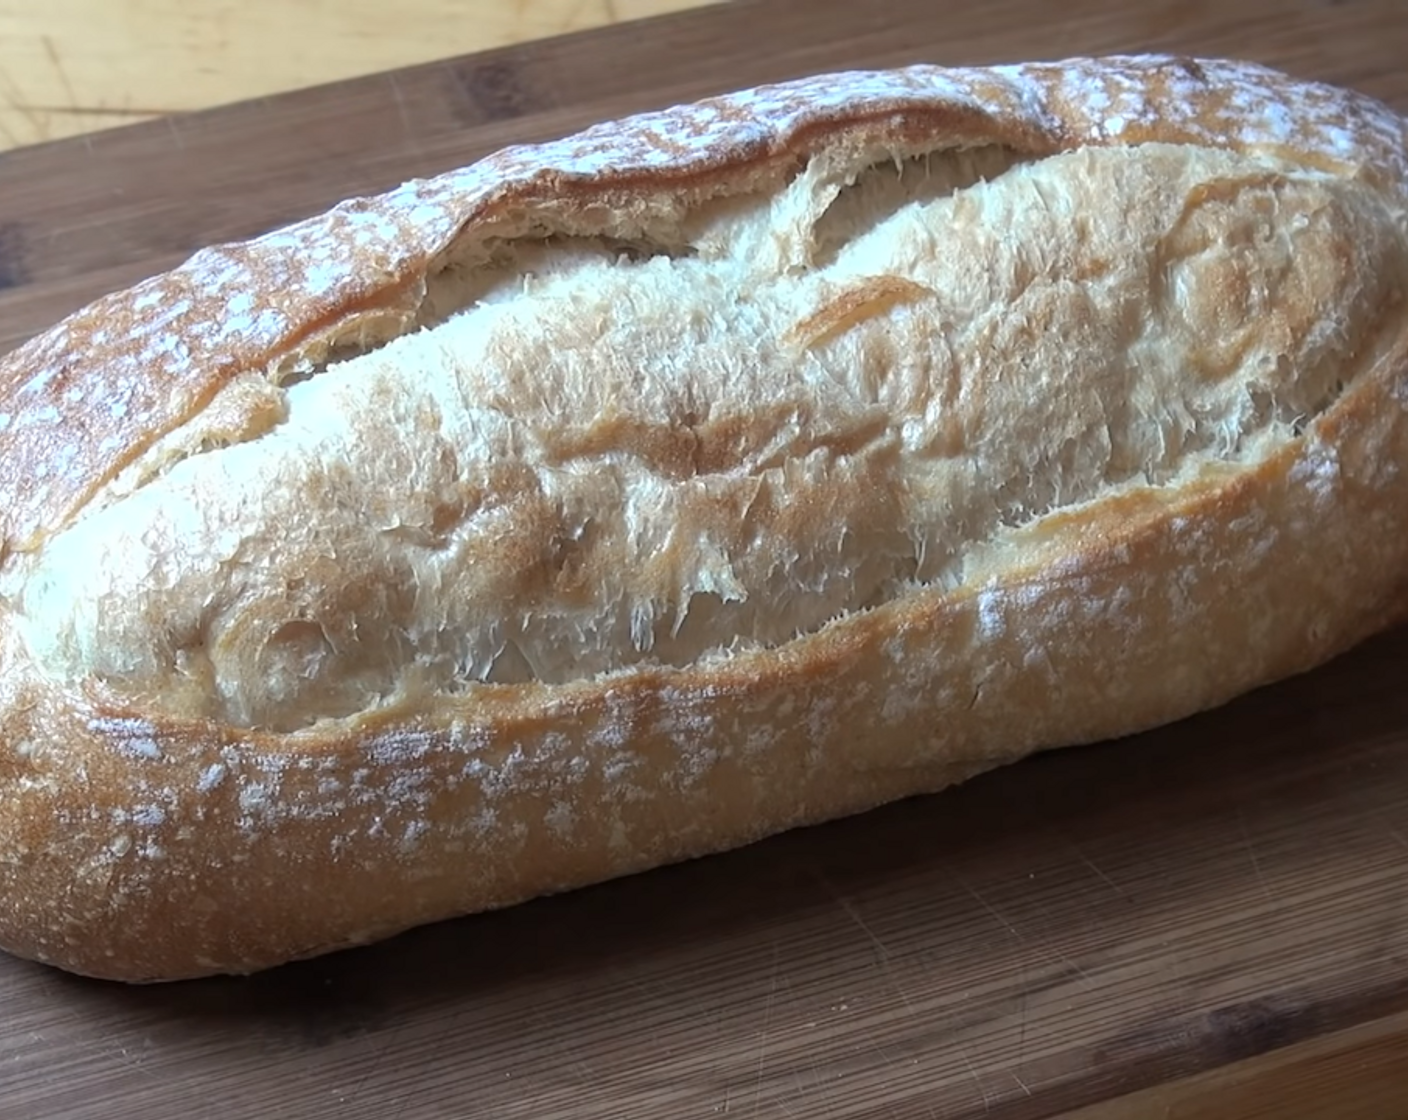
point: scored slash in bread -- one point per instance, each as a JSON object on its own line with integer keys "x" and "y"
{"x": 630, "y": 497}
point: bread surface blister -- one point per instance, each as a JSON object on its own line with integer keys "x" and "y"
{"x": 631, "y": 497}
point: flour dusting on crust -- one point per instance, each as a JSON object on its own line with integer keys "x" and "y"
{"x": 86, "y": 397}
{"x": 144, "y": 846}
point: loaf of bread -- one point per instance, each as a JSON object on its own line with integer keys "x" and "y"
{"x": 712, "y": 472}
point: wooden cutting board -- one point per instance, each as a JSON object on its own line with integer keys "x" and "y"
{"x": 1208, "y": 920}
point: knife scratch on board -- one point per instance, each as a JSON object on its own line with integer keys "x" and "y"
{"x": 1022, "y": 1033}
{"x": 1251, "y": 854}
{"x": 851, "y": 912}
{"x": 884, "y": 957}
{"x": 1397, "y": 836}
{"x": 658, "y": 991}
{"x": 110, "y": 1054}
{"x": 568, "y": 1053}
{"x": 767, "y": 1023}
{"x": 375, "y": 1064}
{"x": 820, "y": 1084}
{"x": 977, "y": 1079}
{"x": 1052, "y": 954}
{"x": 404, "y": 113}
{"x": 880, "y": 1049}
{"x": 1090, "y": 863}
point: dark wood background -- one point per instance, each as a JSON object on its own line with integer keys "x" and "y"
{"x": 1208, "y": 920}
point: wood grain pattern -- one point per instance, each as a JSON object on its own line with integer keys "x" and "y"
{"x": 69, "y": 67}
{"x": 1356, "y": 1074}
{"x": 1212, "y": 915}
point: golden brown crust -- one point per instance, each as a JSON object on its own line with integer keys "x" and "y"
{"x": 143, "y": 848}
{"x": 86, "y": 397}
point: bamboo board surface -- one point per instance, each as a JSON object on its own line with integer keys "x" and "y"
{"x": 1211, "y": 919}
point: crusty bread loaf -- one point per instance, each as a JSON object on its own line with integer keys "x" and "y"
{"x": 631, "y": 497}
